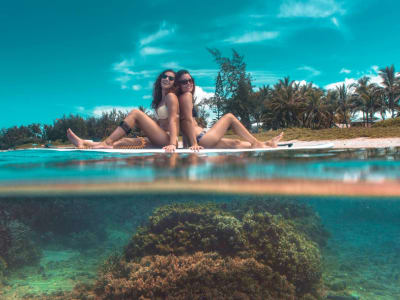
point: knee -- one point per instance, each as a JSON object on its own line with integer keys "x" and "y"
{"x": 135, "y": 112}
{"x": 237, "y": 142}
{"x": 229, "y": 116}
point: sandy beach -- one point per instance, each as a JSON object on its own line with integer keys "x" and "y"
{"x": 361, "y": 142}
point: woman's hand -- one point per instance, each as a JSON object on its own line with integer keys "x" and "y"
{"x": 169, "y": 148}
{"x": 196, "y": 148}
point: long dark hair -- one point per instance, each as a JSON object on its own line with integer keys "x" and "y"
{"x": 157, "y": 90}
{"x": 178, "y": 75}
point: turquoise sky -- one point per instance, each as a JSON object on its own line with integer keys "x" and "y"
{"x": 61, "y": 57}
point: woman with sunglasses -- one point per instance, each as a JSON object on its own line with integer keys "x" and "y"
{"x": 200, "y": 138}
{"x": 163, "y": 133}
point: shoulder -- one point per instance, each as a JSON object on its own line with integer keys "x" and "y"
{"x": 171, "y": 98}
{"x": 186, "y": 96}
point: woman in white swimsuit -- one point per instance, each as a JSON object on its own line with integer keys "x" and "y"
{"x": 199, "y": 138}
{"x": 163, "y": 133}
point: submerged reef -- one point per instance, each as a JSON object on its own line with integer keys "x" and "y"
{"x": 249, "y": 250}
{"x": 199, "y": 233}
{"x": 17, "y": 246}
{"x": 197, "y": 276}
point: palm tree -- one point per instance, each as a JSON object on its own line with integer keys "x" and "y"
{"x": 365, "y": 98}
{"x": 391, "y": 83}
{"x": 285, "y": 103}
{"x": 332, "y": 104}
{"x": 316, "y": 110}
{"x": 345, "y": 105}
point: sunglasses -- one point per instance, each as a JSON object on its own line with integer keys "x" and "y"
{"x": 170, "y": 78}
{"x": 186, "y": 81}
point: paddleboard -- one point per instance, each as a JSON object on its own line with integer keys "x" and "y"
{"x": 281, "y": 147}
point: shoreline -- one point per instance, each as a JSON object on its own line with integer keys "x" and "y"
{"x": 360, "y": 142}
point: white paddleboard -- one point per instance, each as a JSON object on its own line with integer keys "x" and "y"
{"x": 186, "y": 151}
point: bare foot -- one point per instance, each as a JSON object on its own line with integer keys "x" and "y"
{"x": 74, "y": 139}
{"x": 78, "y": 142}
{"x": 273, "y": 143}
{"x": 102, "y": 145}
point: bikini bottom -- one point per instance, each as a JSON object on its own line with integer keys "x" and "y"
{"x": 201, "y": 134}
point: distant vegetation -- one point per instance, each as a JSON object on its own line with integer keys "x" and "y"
{"x": 291, "y": 104}
{"x": 287, "y": 104}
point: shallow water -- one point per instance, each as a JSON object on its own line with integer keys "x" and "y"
{"x": 75, "y": 231}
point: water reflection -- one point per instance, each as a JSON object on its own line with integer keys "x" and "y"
{"x": 341, "y": 165}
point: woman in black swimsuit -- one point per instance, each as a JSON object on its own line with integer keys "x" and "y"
{"x": 198, "y": 137}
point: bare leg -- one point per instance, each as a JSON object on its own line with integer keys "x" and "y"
{"x": 216, "y": 133}
{"x": 131, "y": 142}
{"x": 78, "y": 142}
{"x": 152, "y": 130}
{"x": 273, "y": 143}
{"x": 225, "y": 143}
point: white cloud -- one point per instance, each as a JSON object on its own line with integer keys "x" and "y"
{"x": 124, "y": 67}
{"x": 123, "y": 80}
{"x": 335, "y": 21}
{"x": 313, "y": 71}
{"x": 376, "y": 79}
{"x": 161, "y": 33}
{"x": 136, "y": 87}
{"x": 310, "y": 9}
{"x": 263, "y": 77}
{"x": 304, "y": 82}
{"x": 99, "y": 110}
{"x": 171, "y": 65}
{"x": 253, "y": 37}
{"x": 346, "y": 71}
{"x": 200, "y": 94}
{"x": 204, "y": 72}
{"x": 375, "y": 68}
{"x": 347, "y": 82}
{"x": 153, "y": 51}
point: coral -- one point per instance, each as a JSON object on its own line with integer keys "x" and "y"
{"x": 60, "y": 216}
{"x": 187, "y": 228}
{"x": 5, "y": 239}
{"x": 197, "y": 276}
{"x": 183, "y": 229}
{"x": 300, "y": 215}
{"x": 3, "y": 268}
{"x": 273, "y": 241}
{"x": 214, "y": 251}
{"x": 22, "y": 250}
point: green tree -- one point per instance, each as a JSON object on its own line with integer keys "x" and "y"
{"x": 286, "y": 103}
{"x": 391, "y": 83}
{"x": 316, "y": 111}
{"x": 345, "y": 104}
{"x": 365, "y": 98}
{"x": 234, "y": 85}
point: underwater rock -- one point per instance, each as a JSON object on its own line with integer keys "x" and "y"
{"x": 197, "y": 276}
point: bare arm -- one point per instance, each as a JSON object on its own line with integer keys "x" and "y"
{"x": 187, "y": 124}
{"x": 173, "y": 107}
